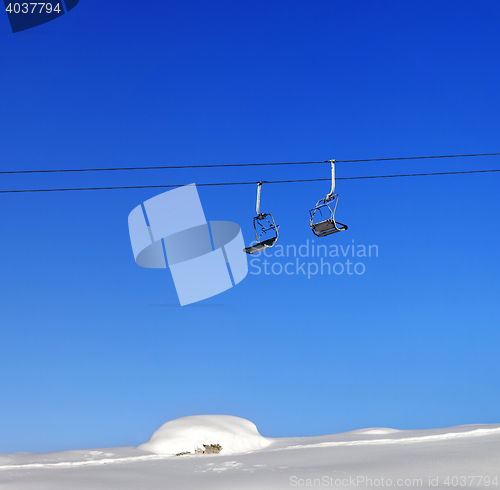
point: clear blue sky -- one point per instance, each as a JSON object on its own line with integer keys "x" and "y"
{"x": 91, "y": 353}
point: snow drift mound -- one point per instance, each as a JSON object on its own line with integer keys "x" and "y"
{"x": 376, "y": 431}
{"x": 191, "y": 434}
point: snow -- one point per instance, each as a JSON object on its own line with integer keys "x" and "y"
{"x": 364, "y": 458}
{"x": 190, "y": 434}
{"x": 378, "y": 430}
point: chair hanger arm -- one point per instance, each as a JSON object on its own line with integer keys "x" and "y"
{"x": 259, "y": 187}
{"x": 330, "y": 195}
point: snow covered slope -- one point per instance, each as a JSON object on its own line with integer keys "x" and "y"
{"x": 465, "y": 456}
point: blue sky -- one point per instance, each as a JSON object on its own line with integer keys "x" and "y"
{"x": 92, "y": 352}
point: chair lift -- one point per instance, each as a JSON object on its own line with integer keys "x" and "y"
{"x": 328, "y": 225}
{"x": 264, "y": 223}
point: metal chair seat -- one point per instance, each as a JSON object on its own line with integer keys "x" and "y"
{"x": 258, "y": 247}
{"x": 327, "y": 227}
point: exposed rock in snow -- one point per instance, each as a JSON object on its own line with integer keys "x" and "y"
{"x": 194, "y": 434}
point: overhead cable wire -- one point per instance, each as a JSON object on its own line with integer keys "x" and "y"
{"x": 247, "y": 183}
{"x": 235, "y": 165}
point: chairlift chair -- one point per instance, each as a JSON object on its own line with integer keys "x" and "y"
{"x": 327, "y": 226}
{"x": 263, "y": 224}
